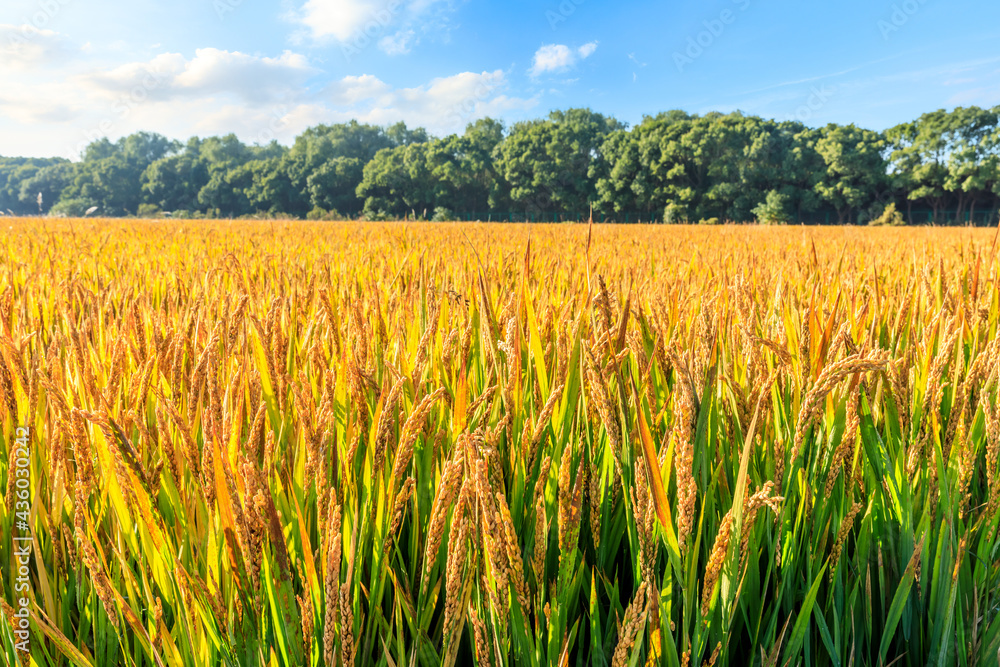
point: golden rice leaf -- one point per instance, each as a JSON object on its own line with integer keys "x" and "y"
{"x": 535, "y": 342}
{"x": 146, "y": 510}
{"x": 114, "y": 491}
{"x": 459, "y": 417}
{"x": 307, "y": 550}
{"x": 226, "y": 518}
{"x": 655, "y": 477}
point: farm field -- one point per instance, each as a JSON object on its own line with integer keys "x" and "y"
{"x": 292, "y": 443}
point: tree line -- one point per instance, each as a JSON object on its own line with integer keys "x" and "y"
{"x": 943, "y": 168}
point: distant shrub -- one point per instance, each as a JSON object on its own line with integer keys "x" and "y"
{"x": 890, "y": 218}
{"x": 184, "y": 214}
{"x": 675, "y": 214}
{"x": 376, "y": 216}
{"x": 773, "y": 210}
{"x": 71, "y": 208}
{"x": 709, "y": 221}
{"x": 442, "y": 214}
{"x": 320, "y": 213}
{"x": 148, "y": 211}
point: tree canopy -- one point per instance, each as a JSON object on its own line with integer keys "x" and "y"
{"x": 943, "y": 167}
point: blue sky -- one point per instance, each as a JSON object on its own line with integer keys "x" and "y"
{"x": 74, "y": 70}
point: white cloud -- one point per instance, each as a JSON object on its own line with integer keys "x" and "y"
{"x": 341, "y": 19}
{"x": 79, "y": 99}
{"x": 397, "y": 44}
{"x": 587, "y": 49}
{"x": 559, "y": 57}
{"x": 552, "y": 58}
{"x": 344, "y": 20}
{"x": 260, "y": 126}
{"x": 396, "y": 26}
{"x": 354, "y": 89}
{"x": 444, "y": 105}
{"x": 211, "y": 72}
{"x": 78, "y": 94}
{"x": 25, "y": 46}
{"x": 249, "y": 76}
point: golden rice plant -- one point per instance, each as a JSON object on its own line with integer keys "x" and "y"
{"x": 321, "y": 444}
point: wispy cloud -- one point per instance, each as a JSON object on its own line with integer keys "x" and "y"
{"x": 254, "y": 79}
{"x": 821, "y": 77}
{"x": 396, "y": 26}
{"x": 399, "y": 43}
{"x": 443, "y": 105}
{"x": 554, "y": 58}
{"x": 256, "y": 97}
{"x": 25, "y": 46}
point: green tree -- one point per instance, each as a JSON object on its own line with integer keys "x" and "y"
{"x": 972, "y": 158}
{"x": 478, "y": 186}
{"x": 855, "y": 168}
{"x": 333, "y": 185}
{"x": 173, "y": 182}
{"x": 270, "y": 189}
{"x": 550, "y": 165}
{"x": 14, "y": 172}
{"x": 348, "y": 146}
{"x": 398, "y": 181}
{"x": 718, "y": 165}
{"x": 110, "y": 174}
{"x": 918, "y": 160}
{"x": 773, "y": 210}
{"x": 49, "y": 182}
{"x": 234, "y": 174}
{"x": 455, "y": 173}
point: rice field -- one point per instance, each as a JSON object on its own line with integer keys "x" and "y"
{"x": 396, "y": 445}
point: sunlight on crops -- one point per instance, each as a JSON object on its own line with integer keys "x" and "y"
{"x": 288, "y": 443}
